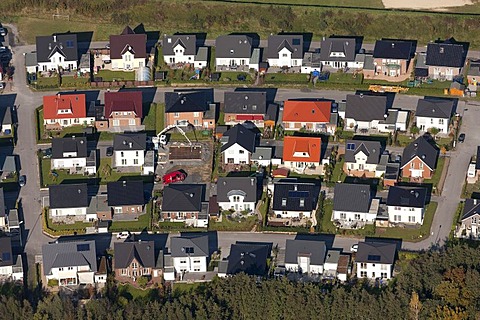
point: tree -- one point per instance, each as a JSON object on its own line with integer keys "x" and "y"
{"x": 434, "y": 131}
{"x": 142, "y": 281}
{"x": 414, "y": 130}
{"x": 415, "y": 306}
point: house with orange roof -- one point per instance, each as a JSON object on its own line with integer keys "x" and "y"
{"x": 309, "y": 115}
{"x": 65, "y": 110}
{"x": 303, "y": 153}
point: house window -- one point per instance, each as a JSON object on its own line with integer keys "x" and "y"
{"x": 131, "y": 122}
{"x": 302, "y": 203}
{"x": 411, "y": 209}
{"x": 241, "y": 151}
{"x": 397, "y": 208}
{"x": 134, "y": 265}
{"x": 60, "y": 269}
{"x": 284, "y": 202}
{"x": 118, "y": 210}
{"x": 363, "y": 274}
{"x": 373, "y": 274}
{"x": 343, "y": 215}
{"x": 124, "y": 162}
{"x": 383, "y": 267}
{"x": 411, "y": 219}
{"x": 474, "y": 220}
{"x": 135, "y": 161}
{"x": 284, "y": 55}
{"x": 136, "y": 153}
{"x": 196, "y": 269}
{"x": 421, "y": 165}
{"x": 431, "y": 121}
{"x": 440, "y": 121}
{"x": 412, "y": 165}
{"x": 397, "y": 217}
{"x": 121, "y": 154}
{"x": 70, "y": 268}
{"x": 195, "y": 122}
{"x": 176, "y": 114}
{"x": 146, "y": 271}
{"x": 124, "y": 272}
{"x": 357, "y": 216}
{"x": 363, "y": 265}
{"x": 196, "y": 114}
{"x": 183, "y": 261}
{"x": 383, "y": 275}
{"x": 196, "y": 261}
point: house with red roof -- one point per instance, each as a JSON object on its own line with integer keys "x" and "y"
{"x": 128, "y": 50}
{"x": 303, "y": 153}
{"x": 65, "y": 110}
{"x": 122, "y": 111}
{"x": 309, "y": 115}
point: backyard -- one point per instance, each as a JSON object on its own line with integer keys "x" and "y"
{"x": 154, "y": 120}
{"x": 243, "y": 223}
{"x": 109, "y": 75}
{"x": 48, "y": 177}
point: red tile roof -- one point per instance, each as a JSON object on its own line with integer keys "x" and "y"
{"x": 307, "y": 111}
{"x": 280, "y": 173}
{"x": 74, "y": 106}
{"x": 123, "y": 101}
{"x": 302, "y": 149}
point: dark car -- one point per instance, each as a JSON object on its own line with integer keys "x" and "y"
{"x": 22, "y": 181}
{"x": 109, "y": 151}
{"x": 461, "y": 137}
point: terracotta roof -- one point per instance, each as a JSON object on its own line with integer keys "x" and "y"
{"x": 128, "y": 41}
{"x": 304, "y": 149}
{"x": 307, "y": 111}
{"x": 280, "y": 173}
{"x": 123, "y": 101}
{"x": 75, "y": 104}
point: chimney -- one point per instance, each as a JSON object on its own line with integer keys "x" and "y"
{"x": 252, "y": 181}
{"x": 54, "y": 38}
{"x": 393, "y": 45}
{"x": 49, "y": 46}
{"x": 130, "y": 145}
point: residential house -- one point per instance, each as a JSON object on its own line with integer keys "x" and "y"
{"x": 473, "y": 75}
{"x": 71, "y": 154}
{"x": 303, "y": 153}
{"x": 135, "y": 259}
{"x": 285, "y": 50}
{"x": 11, "y": 267}
{"x": 391, "y": 58}
{"x": 394, "y": 120}
{"x": 99, "y": 205}
{"x": 65, "y": 110}
{"x": 305, "y": 256}
{"x": 445, "y": 59}
{"x": 365, "y": 111}
{"x": 309, "y": 115}
{"x": 421, "y": 68}
{"x": 375, "y": 260}
{"x": 190, "y": 252}
{"x": 122, "y": 111}
{"x": 434, "y": 113}
{"x": 186, "y": 108}
{"x": 238, "y": 145}
{"x": 126, "y": 196}
{"x": 247, "y": 257}
{"x": 311, "y": 62}
{"x": 236, "y": 52}
{"x": 129, "y": 150}
{"x": 71, "y": 263}
{"x": 419, "y": 159}
{"x": 3, "y": 212}
{"x": 58, "y": 51}
{"x": 471, "y": 219}
{"x": 353, "y": 205}
{"x": 294, "y": 199}
{"x": 185, "y": 203}
{"x": 69, "y": 201}
{"x": 128, "y": 50}
{"x": 364, "y": 159}
{"x": 241, "y": 106}
{"x": 237, "y": 193}
{"x": 182, "y": 49}
{"x": 6, "y": 120}
{"x": 406, "y": 204}
{"x": 339, "y": 53}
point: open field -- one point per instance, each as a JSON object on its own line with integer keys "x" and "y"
{"x": 333, "y": 3}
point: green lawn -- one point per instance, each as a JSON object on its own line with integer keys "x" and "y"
{"x": 150, "y": 119}
{"x": 221, "y": 118}
{"x": 334, "y": 3}
{"x": 132, "y": 293}
{"x": 338, "y": 174}
{"x": 47, "y": 82}
{"x": 231, "y": 77}
{"x": 160, "y": 123}
{"x": 47, "y": 178}
{"x": 264, "y": 207}
{"x": 106, "y": 136}
{"x": 246, "y": 224}
{"x": 143, "y": 223}
{"x": 404, "y": 140}
{"x": 193, "y": 136}
{"x": 106, "y": 173}
{"x": 75, "y": 82}
{"x": 345, "y": 78}
{"x": 438, "y": 172}
{"x": 288, "y": 78}
{"x": 108, "y": 75}
{"x": 185, "y": 287}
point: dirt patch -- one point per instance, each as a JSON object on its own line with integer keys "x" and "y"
{"x": 185, "y": 153}
{"x": 425, "y": 4}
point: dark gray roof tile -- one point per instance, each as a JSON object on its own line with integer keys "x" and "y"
{"x": 376, "y": 252}
{"x": 66, "y": 44}
{"x": 69, "y": 254}
{"x": 142, "y": 251}
{"x": 246, "y": 186}
{"x": 243, "y": 102}
{"x": 190, "y": 245}
{"x": 446, "y": 54}
{"x": 351, "y": 197}
{"x": 314, "y": 249}
{"x": 293, "y": 42}
{"x": 422, "y": 148}
{"x": 393, "y": 49}
{"x": 68, "y": 196}
{"x": 415, "y": 197}
{"x": 435, "y": 108}
{"x": 331, "y": 47}
{"x": 187, "y": 41}
{"x": 125, "y": 193}
{"x": 130, "y": 141}
{"x": 76, "y": 145}
{"x": 183, "y": 197}
{"x": 364, "y": 107}
{"x": 288, "y": 195}
{"x": 240, "y": 135}
{"x": 233, "y": 46}
{"x": 372, "y": 149}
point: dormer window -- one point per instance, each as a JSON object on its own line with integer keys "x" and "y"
{"x": 302, "y": 203}
{"x": 284, "y": 202}
{"x": 231, "y": 51}
{"x": 254, "y": 107}
{"x": 244, "y": 107}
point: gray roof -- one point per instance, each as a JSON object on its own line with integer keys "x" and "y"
{"x": 448, "y": 53}
{"x": 65, "y": 44}
{"x": 315, "y": 250}
{"x": 241, "y": 135}
{"x": 248, "y": 257}
{"x": 368, "y": 63}
{"x": 345, "y": 46}
{"x": 423, "y": 149}
{"x": 183, "y": 197}
{"x": 125, "y": 193}
{"x": 435, "y": 108}
{"x": 233, "y": 46}
{"x": 393, "y": 49}
{"x": 6, "y": 115}
{"x": 192, "y": 101}
{"x": 262, "y": 153}
{"x": 351, "y": 197}
{"x": 190, "y": 245}
{"x": 202, "y": 54}
{"x": 76, "y": 145}
{"x": 130, "y": 141}
{"x": 69, "y": 254}
{"x": 415, "y": 197}
{"x": 288, "y": 194}
{"x": 376, "y": 252}
{"x": 187, "y": 41}
{"x": 471, "y": 208}
{"x": 142, "y": 251}
{"x": 293, "y": 42}
{"x": 312, "y": 59}
{"x": 98, "y": 203}
{"x": 244, "y": 102}
{"x": 85, "y": 61}
{"x": 474, "y": 69}
{"x": 10, "y": 164}
{"x": 372, "y": 149}
{"x": 3, "y": 208}
{"x": 421, "y": 61}
{"x": 31, "y": 59}
{"x": 6, "y": 253}
{"x": 68, "y": 196}
{"x": 229, "y": 186}
{"x": 392, "y": 115}
{"x": 363, "y": 107}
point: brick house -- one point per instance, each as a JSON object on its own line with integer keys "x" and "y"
{"x": 392, "y": 57}
{"x": 312, "y": 115}
{"x": 134, "y": 259}
{"x": 419, "y": 159}
{"x": 126, "y": 196}
{"x": 184, "y": 108}
{"x": 185, "y": 203}
{"x": 122, "y": 111}
{"x": 241, "y": 106}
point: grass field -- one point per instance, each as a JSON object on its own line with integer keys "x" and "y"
{"x": 338, "y": 3}
{"x": 108, "y": 75}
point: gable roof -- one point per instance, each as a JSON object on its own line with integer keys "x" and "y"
{"x": 423, "y": 149}
{"x": 190, "y": 245}
{"x": 65, "y": 44}
{"x": 372, "y": 149}
{"x": 192, "y": 101}
{"x": 187, "y": 41}
{"x": 248, "y": 257}
{"x": 448, "y": 53}
{"x": 130, "y": 141}
{"x": 365, "y": 107}
{"x": 376, "y": 252}
{"x": 393, "y": 49}
{"x": 471, "y": 208}
{"x": 241, "y": 136}
{"x": 183, "y": 198}
{"x": 477, "y": 162}
{"x": 69, "y": 254}
{"x": 302, "y": 149}
{"x": 233, "y": 46}
{"x": 6, "y": 115}
{"x": 413, "y": 197}
{"x": 125, "y": 193}
{"x": 307, "y": 111}
{"x": 142, "y": 251}
{"x": 345, "y": 46}
{"x": 351, "y": 197}
{"x": 128, "y": 40}
{"x": 287, "y": 194}
{"x": 315, "y": 250}
{"x": 123, "y": 101}
{"x": 74, "y": 103}
{"x": 245, "y": 186}
{"x": 3, "y": 209}
{"x": 293, "y": 42}
{"x": 68, "y": 196}
{"x": 474, "y": 69}
{"x": 435, "y": 108}
{"x": 6, "y": 252}
{"x": 245, "y": 102}
{"x": 76, "y": 145}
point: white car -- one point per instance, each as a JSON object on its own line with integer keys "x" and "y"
{"x": 163, "y": 139}
{"x": 354, "y": 247}
{"x": 3, "y": 32}
{"x": 123, "y": 235}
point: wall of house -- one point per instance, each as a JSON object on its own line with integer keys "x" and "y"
{"x": 438, "y": 72}
{"x": 301, "y": 166}
{"x": 133, "y": 270}
{"x": 129, "y": 158}
{"x": 183, "y": 118}
{"x": 68, "y": 163}
{"x": 72, "y": 273}
{"x": 179, "y": 216}
{"x": 350, "y": 124}
{"x": 424, "y": 124}
{"x": 232, "y": 61}
{"x": 309, "y": 69}
{"x": 128, "y": 209}
{"x": 57, "y": 61}
{"x": 231, "y": 120}
{"x": 383, "y": 68}
{"x": 236, "y": 155}
{"x": 190, "y": 264}
{"x": 374, "y": 270}
{"x": 6, "y": 127}
{"x": 237, "y": 206}
{"x": 127, "y": 118}
{"x": 197, "y": 222}
{"x": 310, "y": 126}
{"x": 68, "y": 212}
{"x": 6, "y": 271}
{"x": 410, "y": 215}
{"x": 416, "y": 169}
{"x": 367, "y": 167}
{"x": 178, "y": 58}
{"x": 67, "y": 122}
{"x": 311, "y": 269}
{"x": 354, "y": 216}
{"x": 293, "y": 214}
{"x": 128, "y": 62}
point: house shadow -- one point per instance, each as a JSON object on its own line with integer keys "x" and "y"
{"x": 327, "y": 238}
{"x": 389, "y": 95}
{"x": 358, "y": 40}
{"x": 148, "y": 95}
{"x": 255, "y": 37}
{"x": 90, "y": 95}
{"x": 270, "y": 92}
{"x": 7, "y": 101}
{"x": 475, "y": 195}
{"x": 395, "y": 241}
{"x": 152, "y": 36}
{"x": 372, "y": 182}
{"x": 84, "y": 40}
{"x": 381, "y": 139}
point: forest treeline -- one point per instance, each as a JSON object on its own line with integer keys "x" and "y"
{"x": 435, "y": 285}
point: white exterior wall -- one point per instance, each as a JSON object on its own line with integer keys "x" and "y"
{"x": 311, "y": 269}
{"x": 100, "y": 278}
{"x": 301, "y": 166}
{"x": 235, "y": 153}
{"x": 237, "y": 206}
{"x": 351, "y": 216}
{"x": 197, "y": 223}
{"x": 129, "y": 157}
{"x": 405, "y": 215}
{"x": 6, "y": 127}
{"x": 330, "y": 266}
{"x": 76, "y": 272}
{"x": 232, "y": 61}
{"x": 190, "y": 264}
{"x": 68, "y": 163}
{"x": 128, "y": 62}
{"x": 56, "y": 61}
{"x": 178, "y": 56}
{"x": 263, "y": 163}
{"x": 6, "y": 270}
{"x": 309, "y": 69}
{"x": 424, "y": 123}
{"x": 374, "y": 270}
{"x": 68, "y": 212}
{"x": 357, "y": 166}
{"x": 67, "y": 122}
{"x": 293, "y": 214}
{"x": 200, "y": 64}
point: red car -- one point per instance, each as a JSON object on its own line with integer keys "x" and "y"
{"x": 175, "y": 176}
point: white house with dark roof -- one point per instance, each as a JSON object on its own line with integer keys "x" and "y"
{"x": 71, "y": 154}
{"x": 353, "y": 205}
{"x": 305, "y": 256}
{"x": 406, "y": 204}
{"x": 364, "y": 158}
{"x": 375, "y": 260}
{"x": 294, "y": 199}
{"x": 126, "y": 197}
{"x": 470, "y": 222}
{"x": 11, "y": 267}
{"x": 234, "y": 51}
{"x": 434, "y": 113}
{"x": 285, "y": 50}
{"x": 128, "y": 50}
{"x": 364, "y": 111}
{"x": 129, "y": 150}
{"x": 339, "y": 53}
{"x": 179, "y": 49}
{"x": 238, "y": 145}
{"x": 237, "y": 193}
{"x": 185, "y": 203}
{"x": 69, "y": 200}
{"x": 247, "y": 257}
{"x": 190, "y": 252}
{"x": 57, "y": 51}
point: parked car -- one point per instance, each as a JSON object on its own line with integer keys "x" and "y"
{"x": 3, "y": 32}
{"x": 123, "y": 235}
{"x": 22, "y": 181}
{"x": 2, "y": 85}
{"x": 461, "y": 137}
{"x": 163, "y": 139}
{"x": 354, "y": 247}
{"x": 109, "y": 151}
{"x": 175, "y": 176}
